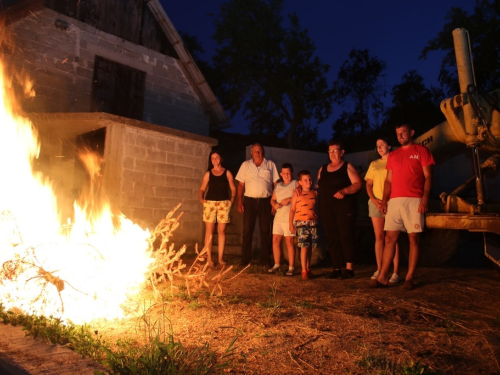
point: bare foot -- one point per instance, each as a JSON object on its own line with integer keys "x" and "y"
{"x": 222, "y": 263}
{"x": 210, "y": 263}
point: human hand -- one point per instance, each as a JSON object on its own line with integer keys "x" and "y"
{"x": 292, "y": 228}
{"x": 376, "y": 202}
{"x": 423, "y": 206}
{"x": 339, "y": 194}
{"x": 241, "y": 208}
{"x": 383, "y": 207}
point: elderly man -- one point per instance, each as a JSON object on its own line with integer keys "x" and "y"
{"x": 256, "y": 178}
{"x": 408, "y": 185}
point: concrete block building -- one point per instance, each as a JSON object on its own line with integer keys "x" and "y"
{"x": 114, "y": 77}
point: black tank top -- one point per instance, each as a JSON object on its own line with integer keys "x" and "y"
{"x": 330, "y": 183}
{"x": 218, "y": 187}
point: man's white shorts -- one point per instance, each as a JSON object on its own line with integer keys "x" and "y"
{"x": 402, "y": 215}
{"x": 282, "y": 229}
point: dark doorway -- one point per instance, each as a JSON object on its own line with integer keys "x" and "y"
{"x": 118, "y": 89}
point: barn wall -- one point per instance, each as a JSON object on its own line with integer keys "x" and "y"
{"x": 153, "y": 172}
{"x": 58, "y": 53}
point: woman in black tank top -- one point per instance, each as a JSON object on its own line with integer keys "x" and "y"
{"x": 216, "y": 202}
{"x": 338, "y": 184}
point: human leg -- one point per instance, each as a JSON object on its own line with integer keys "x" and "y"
{"x": 332, "y": 238}
{"x": 346, "y": 223}
{"x": 391, "y": 237}
{"x": 291, "y": 251}
{"x": 249, "y": 217}
{"x": 395, "y": 261}
{"x": 221, "y": 232}
{"x": 413, "y": 255}
{"x": 264, "y": 214}
{"x": 303, "y": 258}
{"x": 276, "y": 252}
{"x": 378, "y": 228}
{"x": 209, "y": 234}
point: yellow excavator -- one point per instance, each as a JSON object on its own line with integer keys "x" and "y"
{"x": 473, "y": 119}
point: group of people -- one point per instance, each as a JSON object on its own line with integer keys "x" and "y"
{"x": 398, "y": 185}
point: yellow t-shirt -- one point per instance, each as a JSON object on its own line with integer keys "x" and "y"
{"x": 377, "y": 172}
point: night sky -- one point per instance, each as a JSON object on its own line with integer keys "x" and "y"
{"x": 394, "y": 31}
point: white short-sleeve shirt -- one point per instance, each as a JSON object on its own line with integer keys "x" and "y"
{"x": 258, "y": 180}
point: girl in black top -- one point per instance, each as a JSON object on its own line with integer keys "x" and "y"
{"x": 216, "y": 202}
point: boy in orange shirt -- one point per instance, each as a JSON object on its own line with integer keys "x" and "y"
{"x": 304, "y": 218}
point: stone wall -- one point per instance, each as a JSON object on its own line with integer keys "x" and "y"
{"x": 60, "y": 60}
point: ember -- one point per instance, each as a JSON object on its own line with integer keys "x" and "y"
{"x": 82, "y": 270}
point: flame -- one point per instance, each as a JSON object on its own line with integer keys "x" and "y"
{"x": 82, "y": 270}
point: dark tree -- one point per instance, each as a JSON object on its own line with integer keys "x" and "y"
{"x": 484, "y": 29}
{"x": 414, "y": 103}
{"x": 269, "y": 71}
{"x": 358, "y": 91}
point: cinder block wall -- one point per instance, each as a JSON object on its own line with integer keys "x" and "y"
{"x": 61, "y": 64}
{"x": 152, "y": 172}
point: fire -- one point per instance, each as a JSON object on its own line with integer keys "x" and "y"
{"x": 83, "y": 270}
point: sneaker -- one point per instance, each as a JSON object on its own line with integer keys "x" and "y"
{"x": 335, "y": 274}
{"x": 394, "y": 279}
{"x": 289, "y": 272}
{"x": 375, "y": 275}
{"x": 274, "y": 269}
{"x": 304, "y": 275}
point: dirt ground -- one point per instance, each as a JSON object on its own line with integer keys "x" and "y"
{"x": 450, "y": 323}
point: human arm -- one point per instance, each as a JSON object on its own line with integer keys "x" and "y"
{"x": 274, "y": 202}
{"x": 292, "y": 214}
{"x": 203, "y": 187}
{"x": 230, "y": 180}
{"x": 356, "y": 183}
{"x": 369, "y": 190}
{"x": 424, "y": 203}
{"x": 387, "y": 192}
{"x": 241, "y": 189}
{"x": 317, "y": 178}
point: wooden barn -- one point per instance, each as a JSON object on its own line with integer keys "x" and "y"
{"x": 115, "y": 77}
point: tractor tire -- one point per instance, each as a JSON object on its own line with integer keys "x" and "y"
{"x": 437, "y": 246}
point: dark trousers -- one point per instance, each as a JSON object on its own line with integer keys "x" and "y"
{"x": 340, "y": 226}
{"x": 256, "y": 208}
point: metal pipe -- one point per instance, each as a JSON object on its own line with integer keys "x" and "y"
{"x": 465, "y": 78}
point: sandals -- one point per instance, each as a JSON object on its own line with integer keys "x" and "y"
{"x": 289, "y": 272}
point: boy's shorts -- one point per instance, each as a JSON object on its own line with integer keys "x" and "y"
{"x": 373, "y": 211}
{"x": 307, "y": 232}
{"x": 282, "y": 229}
{"x": 216, "y": 211}
{"x": 402, "y": 215}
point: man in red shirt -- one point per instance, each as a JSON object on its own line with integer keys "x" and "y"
{"x": 405, "y": 201}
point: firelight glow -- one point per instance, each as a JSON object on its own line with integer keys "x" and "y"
{"x": 83, "y": 270}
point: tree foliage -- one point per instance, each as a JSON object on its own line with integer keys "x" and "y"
{"x": 415, "y": 104}
{"x": 484, "y": 28}
{"x": 358, "y": 90}
{"x": 269, "y": 70}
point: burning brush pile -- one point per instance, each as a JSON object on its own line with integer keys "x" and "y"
{"x": 89, "y": 267}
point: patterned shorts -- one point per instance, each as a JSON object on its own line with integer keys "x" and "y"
{"x": 216, "y": 211}
{"x": 307, "y": 233}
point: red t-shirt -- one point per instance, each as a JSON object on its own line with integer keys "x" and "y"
{"x": 407, "y": 170}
